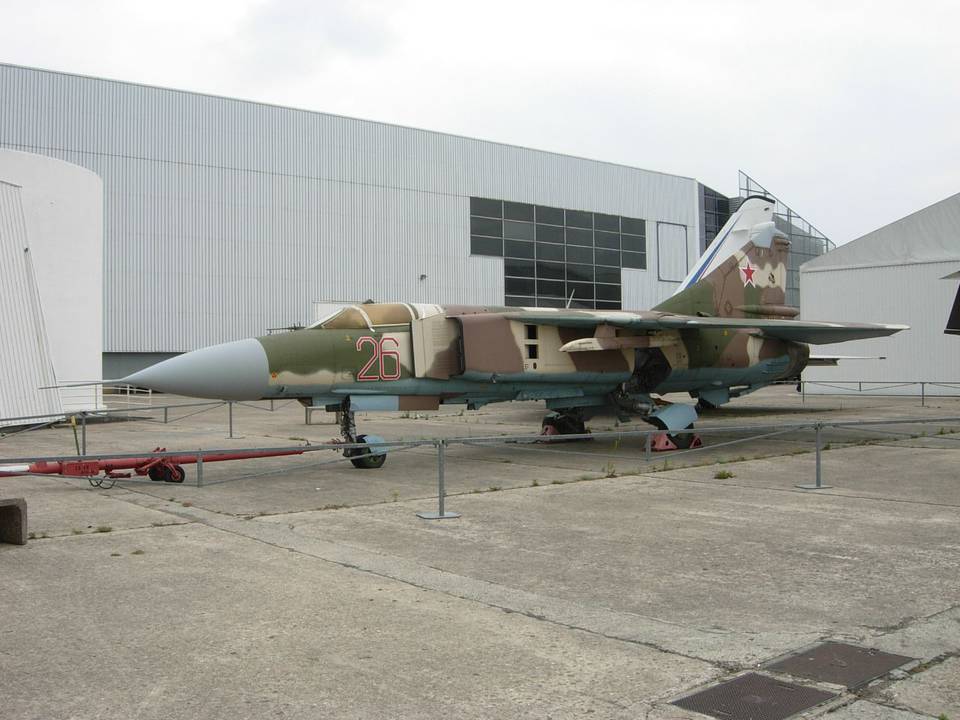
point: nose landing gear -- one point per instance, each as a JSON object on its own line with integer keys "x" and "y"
{"x": 363, "y": 458}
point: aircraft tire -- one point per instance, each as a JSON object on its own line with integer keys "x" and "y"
{"x": 364, "y": 460}
{"x": 683, "y": 440}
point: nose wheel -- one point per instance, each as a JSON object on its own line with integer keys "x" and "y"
{"x": 361, "y": 457}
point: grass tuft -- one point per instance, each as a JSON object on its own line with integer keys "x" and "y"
{"x": 103, "y": 529}
{"x": 723, "y": 475}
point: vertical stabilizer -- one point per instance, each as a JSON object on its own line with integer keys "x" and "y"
{"x": 744, "y": 271}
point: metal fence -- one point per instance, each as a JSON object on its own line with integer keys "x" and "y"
{"x": 948, "y": 430}
{"x": 881, "y": 388}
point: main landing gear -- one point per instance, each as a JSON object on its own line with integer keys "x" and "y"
{"x": 363, "y": 458}
{"x": 564, "y": 422}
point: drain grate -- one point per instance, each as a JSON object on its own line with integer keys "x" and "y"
{"x": 840, "y": 664}
{"x": 753, "y": 697}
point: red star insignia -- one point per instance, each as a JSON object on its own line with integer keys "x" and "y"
{"x": 748, "y": 274}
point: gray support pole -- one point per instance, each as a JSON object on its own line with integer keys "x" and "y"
{"x": 441, "y": 513}
{"x": 306, "y": 414}
{"x": 230, "y": 415}
{"x": 648, "y": 447}
{"x": 166, "y": 410}
{"x": 803, "y": 393}
{"x": 199, "y": 468}
{"x": 271, "y": 404}
{"x": 83, "y": 433}
{"x": 819, "y": 483}
{"x": 923, "y": 394}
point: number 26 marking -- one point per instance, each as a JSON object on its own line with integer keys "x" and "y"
{"x": 376, "y": 369}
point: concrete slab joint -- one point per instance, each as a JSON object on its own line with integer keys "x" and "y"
{"x": 13, "y": 521}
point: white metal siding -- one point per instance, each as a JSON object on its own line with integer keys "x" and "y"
{"x": 914, "y": 295}
{"x": 24, "y": 354}
{"x": 224, "y": 217}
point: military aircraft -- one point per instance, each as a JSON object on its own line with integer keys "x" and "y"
{"x": 724, "y": 333}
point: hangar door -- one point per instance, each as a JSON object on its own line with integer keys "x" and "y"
{"x": 672, "y": 260}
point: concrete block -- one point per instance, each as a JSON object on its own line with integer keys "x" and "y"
{"x": 13, "y": 521}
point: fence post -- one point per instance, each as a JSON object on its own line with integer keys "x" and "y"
{"x": 441, "y": 513}
{"x": 165, "y": 416}
{"x": 199, "y": 468}
{"x": 923, "y": 394}
{"x": 83, "y": 433}
{"x": 819, "y": 483}
{"x": 647, "y": 447}
{"x": 230, "y": 416}
{"x": 306, "y": 414}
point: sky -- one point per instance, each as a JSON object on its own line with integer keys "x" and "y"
{"x": 848, "y": 111}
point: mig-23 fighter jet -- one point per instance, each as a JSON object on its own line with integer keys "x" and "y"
{"x": 724, "y": 333}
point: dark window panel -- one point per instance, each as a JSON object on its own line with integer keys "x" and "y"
{"x": 517, "y": 211}
{"x": 633, "y": 243}
{"x": 517, "y": 249}
{"x": 550, "y": 271}
{"x": 608, "y": 275}
{"x": 549, "y": 233}
{"x": 549, "y": 215}
{"x": 518, "y": 268}
{"x": 486, "y": 208}
{"x": 550, "y": 302}
{"x": 607, "y": 257}
{"x": 547, "y": 251}
{"x": 518, "y": 286}
{"x": 709, "y": 203}
{"x": 633, "y": 226}
{"x": 486, "y": 246}
{"x": 634, "y": 260}
{"x": 513, "y": 301}
{"x": 581, "y": 291}
{"x": 606, "y": 222}
{"x": 517, "y": 230}
{"x": 607, "y": 240}
{"x": 485, "y": 226}
{"x": 580, "y": 273}
{"x": 608, "y": 292}
{"x": 607, "y": 305}
{"x": 582, "y": 305}
{"x": 576, "y": 236}
{"x": 579, "y": 254}
{"x": 579, "y": 218}
{"x": 553, "y": 288}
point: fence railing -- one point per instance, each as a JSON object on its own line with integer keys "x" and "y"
{"x": 880, "y": 388}
{"x": 948, "y": 430}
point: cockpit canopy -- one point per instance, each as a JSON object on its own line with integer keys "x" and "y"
{"x": 366, "y": 317}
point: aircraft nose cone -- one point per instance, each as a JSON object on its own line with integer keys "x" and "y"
{"x": 231, "y": 371}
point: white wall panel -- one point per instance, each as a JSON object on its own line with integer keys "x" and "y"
{"x": 913, "y": 295}
{"x": 224, "y": 217}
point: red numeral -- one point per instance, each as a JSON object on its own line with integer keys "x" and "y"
{"x": 395, "y": 374}
{"x": 369, "y": 372}
{"x": 362, "y": 375}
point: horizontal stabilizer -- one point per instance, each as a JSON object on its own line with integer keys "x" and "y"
{"x": 834, "y": 360}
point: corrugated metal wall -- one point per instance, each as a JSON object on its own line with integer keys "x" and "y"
{"x": 913, "y": 295}
{"x": 24, "y": 354}
{"x": 224, "y": 217}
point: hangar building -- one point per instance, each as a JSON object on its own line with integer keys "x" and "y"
{"x": 224, "y": 218}
{"x": 897, "y": 274}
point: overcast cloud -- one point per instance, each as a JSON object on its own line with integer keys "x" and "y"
{"x": 849, "y": 111}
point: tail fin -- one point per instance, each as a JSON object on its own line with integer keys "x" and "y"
{"x": 743, "y": 273}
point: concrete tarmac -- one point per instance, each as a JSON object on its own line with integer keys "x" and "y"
{"x": 582, "y": 579}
